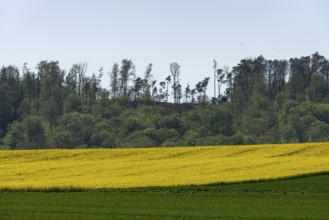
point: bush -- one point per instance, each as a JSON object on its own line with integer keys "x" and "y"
{"x": 318, "y": 131}
{"x": 16, "y": 137}
{"x": 63, "y": 139}
{"x": 173, "y": 142}
{"x": 28, "y": 134}
{"x": 138, "y": 139}
{"x": 191, "y": 138}
{"x": 81, "y": 127}
{"x": 103, "y": 139}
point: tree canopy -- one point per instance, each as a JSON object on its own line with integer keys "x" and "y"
{"x": 256, "y": 101}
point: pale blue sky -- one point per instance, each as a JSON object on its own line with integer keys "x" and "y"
{"x": 190, "y": 32}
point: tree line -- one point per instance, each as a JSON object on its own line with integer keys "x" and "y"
{"x": 256, "y": 101}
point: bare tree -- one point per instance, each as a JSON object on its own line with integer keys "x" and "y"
{"x": 193, "y": 92}
{"x": 187, "y": 93}
{"x": 215, "y": 71}
{"x": 81, "y": 69}
{"x": 175, "y": 72}
{"x": 147, "y": 79}
{"x": 162, "y": 92}
{"x": 221, "y": 78}
{"x": 168, "y": 79}
{"x": 114, "y": 84}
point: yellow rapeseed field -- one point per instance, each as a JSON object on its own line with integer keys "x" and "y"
{"x": 108, "y": 168}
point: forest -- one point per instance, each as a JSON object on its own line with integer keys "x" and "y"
{"x": 257, "y": 101}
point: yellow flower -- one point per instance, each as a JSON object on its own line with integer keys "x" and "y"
{"x": 107, "y": 168}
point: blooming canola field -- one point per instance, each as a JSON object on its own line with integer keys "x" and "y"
{"x": 122, "y": 168}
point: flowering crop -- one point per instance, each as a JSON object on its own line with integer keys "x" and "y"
{"x": 120, "y": 168}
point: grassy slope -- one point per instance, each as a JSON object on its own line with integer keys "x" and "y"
{"x": 302, "y": 198}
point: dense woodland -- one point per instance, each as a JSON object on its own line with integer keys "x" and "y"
{"x": 256, "y": 101}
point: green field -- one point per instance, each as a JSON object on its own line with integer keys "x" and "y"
{"x": 301, "y": 198}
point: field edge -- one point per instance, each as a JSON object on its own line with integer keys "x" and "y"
{"x": 152, "y": 188}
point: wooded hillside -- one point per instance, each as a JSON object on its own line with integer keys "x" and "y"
{"x": 257, "y": 101}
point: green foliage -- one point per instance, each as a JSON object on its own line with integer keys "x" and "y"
{"x": 16, "y": 137}
{"x": 138, "y": 139}
{"x": 171, "y": 122}
{"x": 132, "y": 124}
{"x": 219, "y": 120}
{"x": 73, "y": 103}
{"x": 157, "y": 136}
{"x": 259, "y": 122}
{"x": 191, "y": 138}
{"x": 80, "y": 126}
{"x": 10, "y": 96}
{"x": 321, "y": 112}
{"x": 318, "y": 131}
{"x": 317, "y": 89}
{"x": 63, "y": 139}
{"x": 28, "y": 134}
{"x": 266, "y": 101}
{"x": 7, "y": 109}
{"x": 51, "y": 91}
{"x": 104, "y": 139}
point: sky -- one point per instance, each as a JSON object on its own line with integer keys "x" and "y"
{"x": 190, "y": 32}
